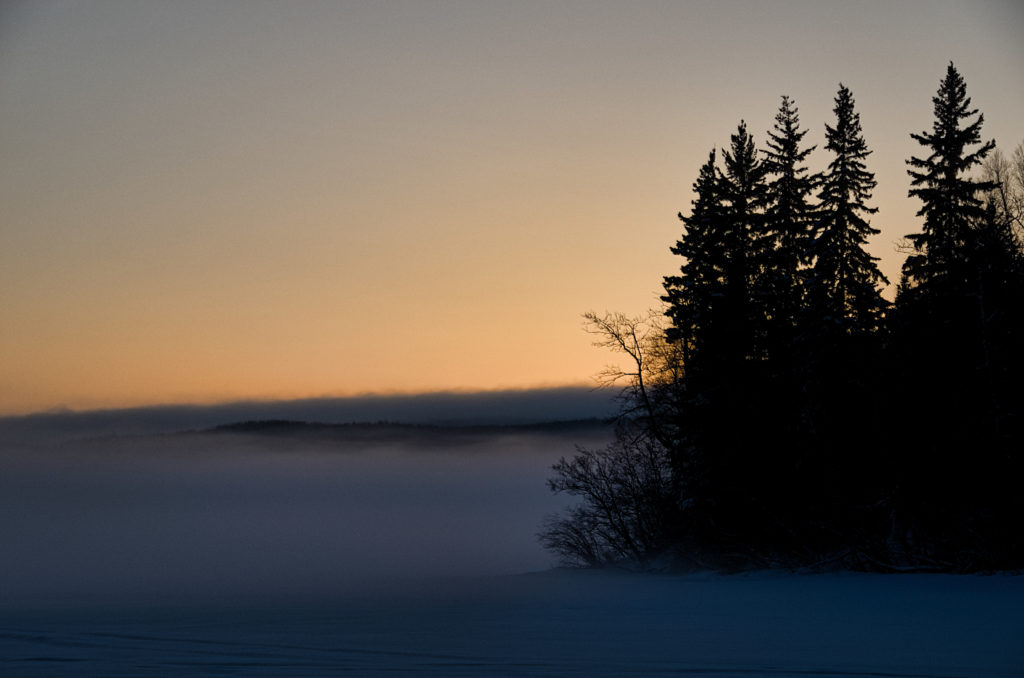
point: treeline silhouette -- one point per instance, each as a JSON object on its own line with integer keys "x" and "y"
{"x": 781, "y": 412}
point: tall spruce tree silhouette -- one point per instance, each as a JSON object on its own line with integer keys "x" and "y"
{"x": 954, "y": 329}
{"x": 747, "y": 413}
{"x": 699, "y": 311}
{"x": 950, "y": 196}
{"x": 841, "y": 380}
{"x": 788, "y": 219}
{"x": 744, "y": 195}
{"x": 718, "y": 317}
{"x": 691, "y": 296}
{"x": 844, "y": 286}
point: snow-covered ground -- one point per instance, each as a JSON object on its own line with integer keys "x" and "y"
{"x": 556, "y": 624}
{"x": 240, "y": 555}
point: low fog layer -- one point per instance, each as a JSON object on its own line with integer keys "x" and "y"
{"x": 489, "y": 407}
{"x": 200, "y": 516}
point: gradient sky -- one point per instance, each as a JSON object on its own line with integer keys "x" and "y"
{"x": 216, "y": 200}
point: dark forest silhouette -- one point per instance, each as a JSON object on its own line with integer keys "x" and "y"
{"x": 783, "y": 412}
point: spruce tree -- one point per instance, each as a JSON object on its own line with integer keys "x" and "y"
{"x": 787, "y": 222}
{"x": 844, "y": 307}
{"x": 717, "y": 316}
{"x": 844, "y": 283}
{"x": 744, "y": 194}
{"x": 942, "y": 182}
{"x": 690, "y": 295}
{"x": 746, "y": 427}
{"x": 956, "y": 338}
{"x": 695, "y": 305}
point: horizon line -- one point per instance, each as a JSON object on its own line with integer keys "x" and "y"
{"x": 65, "y": 410}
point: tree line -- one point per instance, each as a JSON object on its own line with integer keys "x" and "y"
{"x": 780, "y": 411}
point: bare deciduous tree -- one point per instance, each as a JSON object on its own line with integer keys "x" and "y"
{"x": 653, "y": 371}
{"x": 625, "y": 488}
{"x": 626, "y": 500}
{"x": 1008, "y": 195}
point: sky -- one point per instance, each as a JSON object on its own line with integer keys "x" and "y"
{"x": 211, "y": 201}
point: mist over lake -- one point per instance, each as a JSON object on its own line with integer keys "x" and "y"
{"x": 258, "y": 515}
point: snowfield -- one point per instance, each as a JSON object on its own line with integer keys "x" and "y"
{"x": 557, "y": 624}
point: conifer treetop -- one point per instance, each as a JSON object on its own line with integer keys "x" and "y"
{"x": 950, "y": 198}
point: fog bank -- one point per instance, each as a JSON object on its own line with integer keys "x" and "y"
{"x": 487, "y": 407}
{"x": 210, "y": 516}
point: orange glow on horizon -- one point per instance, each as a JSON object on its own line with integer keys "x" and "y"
{"x": 212, "y": 202}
